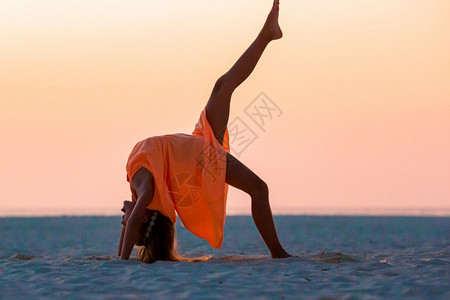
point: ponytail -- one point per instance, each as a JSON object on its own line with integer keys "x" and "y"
{"x": 158, "y": 241}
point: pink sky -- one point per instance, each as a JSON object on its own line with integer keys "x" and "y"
{"x": 364, "y": 87}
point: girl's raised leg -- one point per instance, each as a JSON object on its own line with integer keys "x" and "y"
{"x": 241, "y": 177}
{"x": 218, "y": 106}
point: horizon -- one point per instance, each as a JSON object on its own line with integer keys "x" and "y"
{"x": 243, "y": 211}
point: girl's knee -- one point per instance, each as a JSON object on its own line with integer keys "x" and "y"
{"x": 223, "y": 85}
{"x": 259, "y": 188}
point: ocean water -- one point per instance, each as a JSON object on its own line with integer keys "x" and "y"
{"x": 342, "y": 257}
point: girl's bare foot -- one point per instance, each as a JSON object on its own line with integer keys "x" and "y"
{"x": 271, "y": 28}
{"x": 282, "y": 254}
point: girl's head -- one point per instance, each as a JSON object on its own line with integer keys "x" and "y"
{"x": 157, "y": 239}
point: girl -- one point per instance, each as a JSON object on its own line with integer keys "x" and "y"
{"x": 190, "y": 174}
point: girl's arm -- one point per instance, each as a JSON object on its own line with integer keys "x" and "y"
{"x": 122, "y": 233}
{"x": 143, "y": 185}
{"x": 134, "y": 223}
{"x": 127, "y": 208}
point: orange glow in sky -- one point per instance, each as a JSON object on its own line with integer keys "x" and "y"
{"x": 364, "y": 87}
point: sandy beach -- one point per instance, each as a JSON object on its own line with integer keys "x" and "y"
{"x": 339, "y": 258}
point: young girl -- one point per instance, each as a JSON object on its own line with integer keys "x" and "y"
{"x": 190, "y": 174}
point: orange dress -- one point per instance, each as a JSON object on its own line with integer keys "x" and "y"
{"x": 189, "y": 175}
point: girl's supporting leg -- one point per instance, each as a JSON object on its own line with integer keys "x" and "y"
{"x": 218, "y": 106}
{"x": 241, "y": 177}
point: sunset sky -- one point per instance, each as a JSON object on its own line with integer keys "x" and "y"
{"x": 364, "y": 89}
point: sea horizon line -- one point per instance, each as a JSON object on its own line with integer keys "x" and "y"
{"x": 246, "y": 211}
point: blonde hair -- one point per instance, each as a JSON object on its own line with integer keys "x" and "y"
{"x": 157, "y": 241}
